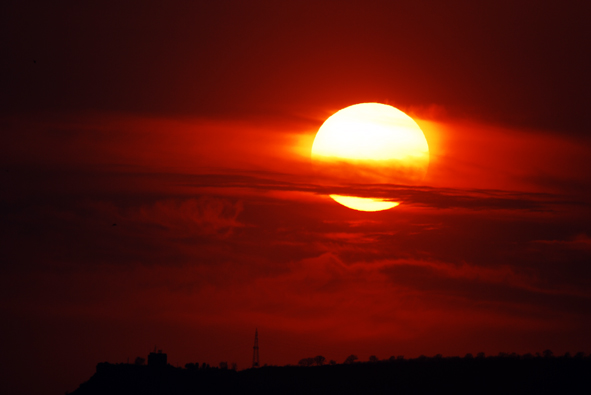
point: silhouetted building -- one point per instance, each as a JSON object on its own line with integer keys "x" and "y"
{"x": 157, "y": 359}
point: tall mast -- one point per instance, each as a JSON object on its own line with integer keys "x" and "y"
{"x": 255, "y": 350}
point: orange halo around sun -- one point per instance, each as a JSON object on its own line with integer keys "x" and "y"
{"x": 371, "y": 143}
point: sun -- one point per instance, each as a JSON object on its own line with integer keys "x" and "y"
{"x": 370, "y": 143}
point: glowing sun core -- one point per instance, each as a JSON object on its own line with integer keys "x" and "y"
{"x": 372, "y": 137}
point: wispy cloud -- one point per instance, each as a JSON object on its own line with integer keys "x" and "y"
{"x": 443, "y": 198}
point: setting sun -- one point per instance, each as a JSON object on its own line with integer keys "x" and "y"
{"x": 370, "y": 143}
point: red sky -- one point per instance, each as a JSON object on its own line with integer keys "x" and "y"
{"x": 189, "y": 125}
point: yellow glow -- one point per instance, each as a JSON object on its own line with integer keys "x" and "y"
{"x": 370, "y": 143}
{"x": 371, "y": 131}
{"x": 364, "y": 204}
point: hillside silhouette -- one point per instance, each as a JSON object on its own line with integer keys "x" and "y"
{"x": 507, "y": 374}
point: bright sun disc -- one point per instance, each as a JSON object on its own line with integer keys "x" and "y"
{"x": 370, "y": 143}
{"x": 364, "y": 204}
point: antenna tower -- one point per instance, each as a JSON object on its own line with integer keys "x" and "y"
{"x": 255, "y": 350}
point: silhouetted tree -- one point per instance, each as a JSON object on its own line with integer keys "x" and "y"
{"x": 234, "y": 366}
{"x": 528, "y": 356}
{"x": 373, "y": 359}
{"x": 191, "y": 366}
{"x": 332, "y": 362}
{"x": 580, "y": 354}
{"x": 548, "y": 354}
{"x": 438, "y": 356}
{"x": 351, "y": 358}
{"x": 468, "y": 356}
{"x": 224, "y": 365}
{"x": 400, "y": 357}
{"x": 306, "y": 362}
{"x": 567, "y": 354}
{"x": 140, "y": 361}
{"x": 503, "y": 355}
{"x": 319, "y": 360}
{"x": 480, "y": 355}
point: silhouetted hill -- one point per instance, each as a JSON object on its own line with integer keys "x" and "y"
{"x": 494, "y": 375}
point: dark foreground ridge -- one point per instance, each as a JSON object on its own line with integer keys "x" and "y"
{"x": 491, "y": 375}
